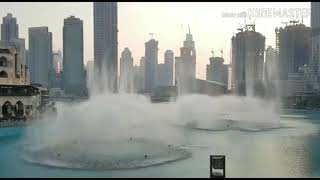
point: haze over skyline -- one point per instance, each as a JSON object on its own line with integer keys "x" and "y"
{"x": 168, "y": 20}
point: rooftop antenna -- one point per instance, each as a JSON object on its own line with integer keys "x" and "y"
{"x": 212, "y": 52}
{"x": 189, "y": 28}
{"x": 151, "y": 34}
{"x": 245, "y": 24}
{"x": 221, "y": 53}
{"x": 240, "y": 29}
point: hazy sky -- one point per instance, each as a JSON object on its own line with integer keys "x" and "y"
{"x": 168, "y": 20}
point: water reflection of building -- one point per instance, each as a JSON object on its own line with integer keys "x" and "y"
{"x": 247, "y": 61}
{"x": 185, "y": 68}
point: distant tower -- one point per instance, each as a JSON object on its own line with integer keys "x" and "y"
{"x": 40, "y": 55}
{"x": 294, "y": 49}
{"x": 142, "y": 69}
{"x": 9, "y": 28}
{"x": 271, "y": 71}
{"x": 57, "y": 61}
{"x": 185, "y": 69}
{"x": 10, "y": 34}
{"x": 126, "y": 71}
{"x": 151, "y": 62}
{"x": 106, "y": 44}
{"x": 73, "y": 70}
{"x": 247, "y": 61}
{"x": 169, "y": 67}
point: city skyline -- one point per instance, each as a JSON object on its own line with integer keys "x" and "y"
{"x": 209, "y": 28}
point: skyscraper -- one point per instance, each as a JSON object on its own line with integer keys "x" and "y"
{"x": 151, "y": 62}
{"x": 126, "y": 71}
{"x": 9, "y": 28}
{"x": 140, "y": 76}
{"x": 247, "y": 61}
{"x": 73, "y": 70}
{"x": 294, "y": 59}
{"x": 57, "y": 61}
{"x": 165, "y": 70}
{"x": 10, "y": 35}
{"x": 185, "y": 73}
{"x": 294, "y": 49}
{"x": 40, "y": 55}
{"x": 106, "y": 44}
{"x": 169, "y": 67}
{"x": 271, "y": 72}
{"x": 270, "y": 68}
{"x": 217, "y": 71}
{"x": 161, "y": 75}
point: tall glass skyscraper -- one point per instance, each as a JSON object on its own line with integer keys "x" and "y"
{"x": 106, "y": 44}
{"x": 73, "y": 70}
{"x": 151, "y": 63}
{"x": 40, "y": 55}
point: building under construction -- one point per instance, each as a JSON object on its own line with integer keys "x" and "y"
{"x": 216, "y": 70}
{"x": 294, "y": 48}
{"x": 293, "y": 43}
{"x": 247, "y": 61}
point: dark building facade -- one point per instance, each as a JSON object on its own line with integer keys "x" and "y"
{"x": 294, "y": 49}
{"x": 247, "y": 61}
{"x": 105, "y": 16}
{"x": 217, "y": 71}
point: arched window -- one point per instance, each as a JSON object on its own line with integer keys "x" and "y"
{"x": 3, "y": 61}
{"x": 19, "y": 111}
{"x": 3, "y": 74}
{"x": 7, "y": 109}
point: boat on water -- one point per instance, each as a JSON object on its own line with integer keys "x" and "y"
{"x": 20, "y": 101}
